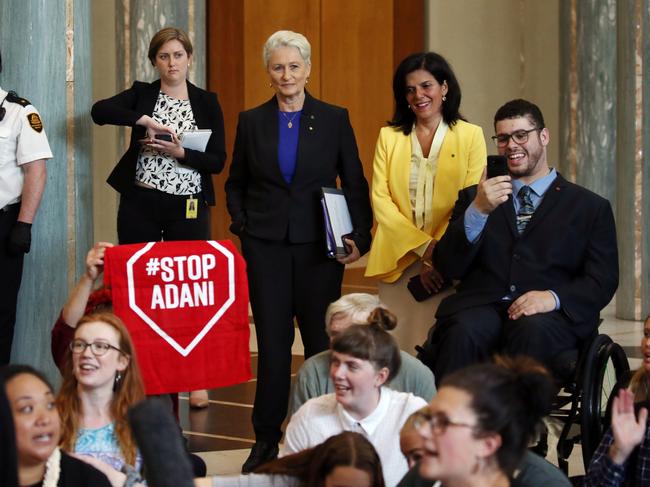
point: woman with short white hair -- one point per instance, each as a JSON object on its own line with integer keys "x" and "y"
{"x": 286, "y": 150}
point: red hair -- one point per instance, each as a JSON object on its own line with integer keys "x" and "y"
{"x": 128, "y": 391}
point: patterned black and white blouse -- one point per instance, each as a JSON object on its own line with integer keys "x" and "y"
{"x": 159, "y": 169}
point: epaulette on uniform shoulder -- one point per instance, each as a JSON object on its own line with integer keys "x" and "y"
{"x": 14, "y": 98}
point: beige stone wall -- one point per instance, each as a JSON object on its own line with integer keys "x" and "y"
{"x": 500, "y": 50}
{"x": 105, "y": 139}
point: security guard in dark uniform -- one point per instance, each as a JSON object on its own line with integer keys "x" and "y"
{"x": 23, "y": 152}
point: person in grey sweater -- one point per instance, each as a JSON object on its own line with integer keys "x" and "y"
{"x": 312, "y": 379}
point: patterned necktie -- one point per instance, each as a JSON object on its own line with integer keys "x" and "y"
{"x": 526, "y": 208}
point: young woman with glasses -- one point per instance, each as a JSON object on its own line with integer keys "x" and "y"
{"x": 480, "y": 423}
{"x": 101, "y": 381}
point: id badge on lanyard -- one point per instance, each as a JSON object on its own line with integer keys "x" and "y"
{"x": 191, "y": 208}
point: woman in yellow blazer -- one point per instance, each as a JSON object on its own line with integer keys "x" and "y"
{"x": 422, "y": 159}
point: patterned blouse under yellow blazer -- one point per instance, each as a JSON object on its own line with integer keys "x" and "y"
{"x": 461, "y": 162}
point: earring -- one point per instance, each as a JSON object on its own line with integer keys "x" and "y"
{"x": 118, "y": 379}
{"x": 307, "y": 81}
{"x": 444, "y": 98}
{"x": 270, "y": 85}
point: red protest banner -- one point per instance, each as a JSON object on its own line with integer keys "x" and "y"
{"x": 185, "y": 304}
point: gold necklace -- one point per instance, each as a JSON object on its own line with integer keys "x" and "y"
{"x": 290, "y": 120}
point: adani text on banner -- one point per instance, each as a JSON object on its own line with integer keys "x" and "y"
{"x": 186, "y": 306}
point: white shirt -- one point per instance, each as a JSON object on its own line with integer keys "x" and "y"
{"x": 322, "y": 417}
{"x": 422, "y": 177}
{"x": 22, "y": 140}
{"x": 159, "y": 169}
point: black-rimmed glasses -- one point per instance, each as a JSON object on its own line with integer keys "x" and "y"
{"x": 439, "y": 422}
{"x": 97, "y": 348}
{"x": 519, "y": 136}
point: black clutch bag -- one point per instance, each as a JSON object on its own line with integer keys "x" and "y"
{"x": 419, "y": 292}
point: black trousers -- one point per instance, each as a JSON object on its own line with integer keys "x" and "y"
{"x": 11, "y": 267}
{"x": 286, "y": 280}
{"x": 475, "y": 334}
{"x": 149, "y": 215}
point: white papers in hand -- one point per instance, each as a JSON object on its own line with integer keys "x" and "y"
{"x": 196, "y": 139}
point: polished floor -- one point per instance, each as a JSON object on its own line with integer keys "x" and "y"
{"x": 222, "y": 433}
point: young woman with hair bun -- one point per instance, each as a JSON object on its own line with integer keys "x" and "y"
{"x": 480, "y": 423}
{"x": 364, "y": 359}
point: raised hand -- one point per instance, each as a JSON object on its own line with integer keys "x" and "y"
{"x": 95, "y": 260}
{"x": 627, "y": 429}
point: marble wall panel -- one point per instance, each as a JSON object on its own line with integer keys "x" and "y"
{"x": 45, "y": 47}
{"x": 633, "y": 169}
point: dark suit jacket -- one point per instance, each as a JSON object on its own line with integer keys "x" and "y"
{"x": 569, "y": 247}
{"x": 262, "y": 204}
{"x": 127, "y": 107}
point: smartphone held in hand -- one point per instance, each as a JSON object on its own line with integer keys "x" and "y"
{"x": 497, "y": 166}
{"x": 419, "y": 292}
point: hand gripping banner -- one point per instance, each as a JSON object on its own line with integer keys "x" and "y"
{"x": 186, "y": 306}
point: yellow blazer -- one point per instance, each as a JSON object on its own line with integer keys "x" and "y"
{"x": 461, "y": 162}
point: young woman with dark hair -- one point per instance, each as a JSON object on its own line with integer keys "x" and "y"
{"x": 37, "y": 427}
{"x": 344, "y": 460}
{"x": 481, "y": 421}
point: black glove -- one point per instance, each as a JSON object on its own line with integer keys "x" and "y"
{"x": 20, "y": 238}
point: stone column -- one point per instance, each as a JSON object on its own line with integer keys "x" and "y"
{"x": 632, "y": 164}
{"x": 46, "y": 59}
{"x": 605, "y": 106}
{"x": 588, "y": 94}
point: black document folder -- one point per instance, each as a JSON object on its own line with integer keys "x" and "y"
{"x": 338, "y": 223}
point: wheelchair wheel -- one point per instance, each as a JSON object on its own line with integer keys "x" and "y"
{"x": 609, "y": 365}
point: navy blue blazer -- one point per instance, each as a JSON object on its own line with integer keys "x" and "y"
{"x": 569, "y": 246}
{"x": 127, "y": 107}
{"x": 262, "y": 204}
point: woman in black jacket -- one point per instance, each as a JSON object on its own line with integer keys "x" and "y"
{"x": 286, "y": 150}
{"x": 165, "y": 189}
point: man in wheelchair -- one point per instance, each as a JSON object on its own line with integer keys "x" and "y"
{"x": 536, "y": 257}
